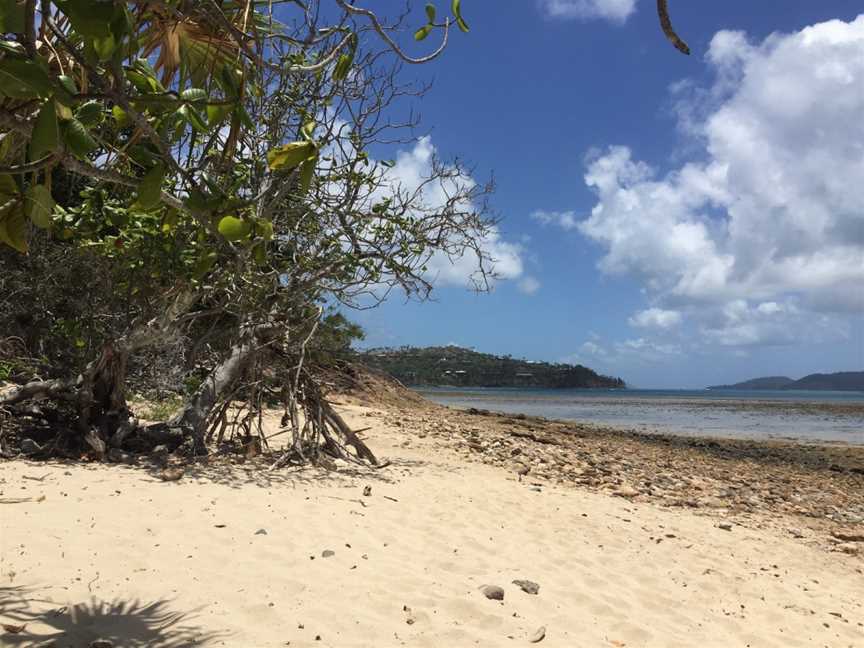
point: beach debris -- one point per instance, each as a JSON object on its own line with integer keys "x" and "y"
{"x": 627, "y": 492}
{"x": 527, "y": 586}
{"x": 115, "y": 455}
{"x": 367, "y": 491}
{"x": 328, "y": 553}
{"x": 725, "y": 526}
{"x": 101, "y": 643}
{"x": 538, "y": 635}
{"x": 493, "y": 592}
{"x": 409, "y": 615}
{"x": 14, "y": 629}
{"x": 171, "y": 474}
{"x": 261, "y": 532}
{"x": 848, "y": 536}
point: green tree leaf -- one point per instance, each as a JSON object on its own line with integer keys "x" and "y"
{"x": 343, "y": 66}
{"x": 216, "y": 113}
{"x": 193, "y": 94}
{"x": 39, "y": 205}
{"x": 13, "y": 228}
{"x": 46, "y": 133}
{"x": 288, "y": 156}
{"x": 150, "y": 188}
{"x": 12, "y": 16}
{"x": 423, "y": 32}
{"x": 78, "y": 139}
{"x": 233, "y": 228}
{"x": 90, "y": 113}
{"x": 21, "y": 79}
{"x": 456, "y": 6}
{"x": 193, "y": 118}
{"x": 307, "y": 172}
{"x": 430, "y": 12}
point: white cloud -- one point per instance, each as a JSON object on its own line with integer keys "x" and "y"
{"x": 617, "y": 11}
{"x": 565, "y": 220}
{"x": 767, "y": 228}
{"x": 408, "y": 175}
{"x": 656, "y": 318}
{"x": 528, "y": 286}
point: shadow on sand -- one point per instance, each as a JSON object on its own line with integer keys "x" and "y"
{"x": 130, "y": 624}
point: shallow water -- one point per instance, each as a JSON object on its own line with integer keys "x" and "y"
{"x": 800, "y": 415}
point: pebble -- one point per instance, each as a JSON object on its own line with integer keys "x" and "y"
{"x": 849, "y": 548}
{"x": 527, "y": 586}
{"x": 327, "y": 553}
{"x": 626, "y": 492}
{"x": 261, "y": 532}
{"x": 493, "y": 592}
{"x": 848, "y": 536}
{"x": 538, "y": 635}
{"x": 725, "y": 526}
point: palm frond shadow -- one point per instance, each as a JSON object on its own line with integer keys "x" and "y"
{"x": 132, "y": 624}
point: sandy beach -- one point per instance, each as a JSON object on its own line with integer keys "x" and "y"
{"x": 335, "y": 555}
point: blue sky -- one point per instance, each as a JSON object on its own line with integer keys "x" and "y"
{"x": 676, "y": 221}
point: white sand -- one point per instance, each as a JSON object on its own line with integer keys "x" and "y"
{"x": 109, "y": 542}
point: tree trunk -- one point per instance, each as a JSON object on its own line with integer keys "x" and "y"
{"x": 192, "y": 419}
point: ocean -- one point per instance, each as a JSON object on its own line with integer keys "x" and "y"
{"x": 805, "y": 416}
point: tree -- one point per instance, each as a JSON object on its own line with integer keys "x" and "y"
{"x": 197, "y": 176}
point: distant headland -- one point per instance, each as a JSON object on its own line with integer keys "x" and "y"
{"x": 457, "y": 366}
{"x": 840, "y": 381}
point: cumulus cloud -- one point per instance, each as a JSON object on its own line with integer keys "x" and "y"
{"x": 767, "y": 228}
{"x": 656, "y": 318}
{"x": 408, "y": 175}
{"x": 617, "y": 11}
{"x": 565, "y": 220}
{"x": 528, "y": 286}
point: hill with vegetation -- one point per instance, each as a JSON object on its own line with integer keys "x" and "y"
{"x": 840, "y": 381}
{"x": 456, "y": 366}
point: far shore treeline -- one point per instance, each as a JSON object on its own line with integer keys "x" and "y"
{"x": 457, "y": 366}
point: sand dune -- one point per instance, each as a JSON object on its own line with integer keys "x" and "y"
{"x": 233, "y": 557}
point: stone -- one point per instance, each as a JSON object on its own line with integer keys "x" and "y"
{"x": 848, "y": 536}
{"x": 493, "y": 592}
{"x": 367, "y": 491}
{"x": 117, "y": 455}
{"x": 527, "y": 586}
{"x": 538, "y": 635}
{"x": 171, "y": 474}
{"x": 725, "y": 526}
{"x": 626, "y": 492}
{"x": 29, "y": 446}
{"x": 261, "y": 532}
{"x": 328, "y": 553}
{"x": 101, "y": 643}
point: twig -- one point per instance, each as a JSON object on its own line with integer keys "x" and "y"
{"x": 666, "y": 24}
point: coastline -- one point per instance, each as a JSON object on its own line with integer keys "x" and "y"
{"x": 232, "y": 554}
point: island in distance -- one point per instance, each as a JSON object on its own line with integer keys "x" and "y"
{"x": 840, "y": 381}
{"x": 459, "y": 367}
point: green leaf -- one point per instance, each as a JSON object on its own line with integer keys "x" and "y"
{"x": 150, "y": 188}
{"x": 307, "y": 172}
{"x": 91, "y": 113}
{"x": 193, "y": 118}
{"x": 78, "y": 139}
{"x": 264, "y": 229}
{"x": 104, "y": 47}
{"x": 39, "y": 205}
{"x": 259, "y": 254}
{"x": 233, "y": 228}
{"x": 120, "y": 116}
{"x": 193, "y": 94}
{"x": 46, "y": 134}
{"x": 430, "y": 12}
{"x": 288, "y": 156}
{"x": 423, "y": 32}
{"x": 456, "y": 6}
{"x": 12, "y": 17}
{"x": 203, "y": 266}
{"x": 11, "y": 47}
{"x": 90, "y": 18}
{"x": 343, "y": 66}
{"x": 216, "y": 113}
{"x": 308, "y": 130}
{"x": 13, "y": 228}
{"x": 68, "y": 83}
{"x": 21, "y": 79}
